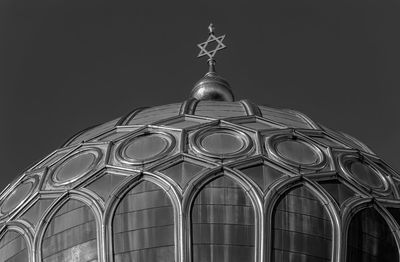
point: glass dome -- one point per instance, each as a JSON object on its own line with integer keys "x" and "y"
{"x": 204, "y": 181}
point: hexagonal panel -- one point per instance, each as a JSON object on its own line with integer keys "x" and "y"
{"x": 145, "y": 147}
{"x": 76, "y": 167}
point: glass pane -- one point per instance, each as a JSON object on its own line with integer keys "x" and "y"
{"x": 370, "y": 238}
{"x": 182, "y": 123}
{"x": 146, "y": 147}
{"x": 143, "y": 226}
{"x": 223, "y": 223}
{"x": 301, "y": 229}
{"x": 327, "y": 141}
{"x": 222, "y": 143}
{"x": 182, "y": 172}
{"x": 262, "y": 174}
{"x": 365, "y": 174}
{"x": 37, "y": 210}
{"x": 16, "y": 197}
{"x": 113, "y": 136}
{"x": 75, "y": 166}
{"x": 219, "y": 109}
{"x": 258, "y": 125}
{"x": 284, "y": 117}
{"x": 13, "y": 248}
{"x": 337, "y": 190}
{"x": 71, "y": 235}
{"x": 297, "y": 152}
{"x": 105, "y": 185}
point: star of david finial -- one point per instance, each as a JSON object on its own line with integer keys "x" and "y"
{"x": 210, "y": 40}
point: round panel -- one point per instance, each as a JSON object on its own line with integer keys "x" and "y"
{"x": 20, "y": 193}
{"x": 75, "y": 166}
{"x": 221, "y": 142}
{"x": 297, "y": 152}
{"x": 146, "y": 148}
{"x": 364, "y": 173}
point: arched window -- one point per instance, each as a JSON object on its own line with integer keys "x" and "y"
{"x": 301, "y": 229}
{"x": 71, "y": 235}
{"x": 370, "y": 239}
{"x": 143, "y": 226}
{"x": 13, "y": 248}
{"x": 222, "y": 223}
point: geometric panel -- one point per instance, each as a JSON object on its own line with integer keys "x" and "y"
{"x": 104, "y": 185}
{"x": 13, "y": 248}
{"x": 370, "y": 239}
{"x": 223, "y": 223}
{"x": 301, "y": 229}
{"x": 37, "y": 210}
{"x": 143, "y": 225}
{"x": 182, "y": 172}
{"x": 263, "y": 175}
{"x": 71, "y": 234}
{"x": 337, "y": 190}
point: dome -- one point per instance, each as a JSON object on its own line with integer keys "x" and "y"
{"x": 164, "y": 183}
{"x": 206, "y": 179}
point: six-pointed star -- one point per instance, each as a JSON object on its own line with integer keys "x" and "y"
{"x": 211, "y": 53}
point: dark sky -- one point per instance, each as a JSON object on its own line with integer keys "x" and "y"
{"x": 67, "y": 65}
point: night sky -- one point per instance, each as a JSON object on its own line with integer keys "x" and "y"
{"x": 67, "y": 65}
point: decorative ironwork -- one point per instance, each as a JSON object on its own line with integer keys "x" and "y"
{"x": 211, "y": 38}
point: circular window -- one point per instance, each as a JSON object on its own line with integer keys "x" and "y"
{"x": 221, "y": 142}
{"x": 20, "y": 193}
{"x": 75, "y": 166}
{"x": 146, "y": 148}
{"x": 296, "y": 151}
{"x": 363, "y": 173}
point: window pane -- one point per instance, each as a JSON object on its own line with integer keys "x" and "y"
{"x": 337, "y": 190}
{"x": 37, "y": 210}
{"x": 13, "y": 248}
{"x": 104, "y": 185}
{"x": 223, "y": 223}
{"x": 370, "y": 238}
{"x": 182, "y": 172}
{"x": 71, "y": 235}
{"x": 297, "y": 152}
{"x": 143, "y": 226}
{"x": 263, "y": 175}
{"x": 301, "y": 229}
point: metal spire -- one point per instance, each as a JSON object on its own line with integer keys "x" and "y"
{"x": 211, "y": 53}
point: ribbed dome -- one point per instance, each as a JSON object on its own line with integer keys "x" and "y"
{"x": 204, "y": 181}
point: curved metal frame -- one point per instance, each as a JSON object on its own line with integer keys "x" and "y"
{"x": 194, "y": 188}
{"x": 53, "y": 209}
{"x": 22, "y": 230}
{"x": 273, "y": 196}
{"x": 120, "y": 193}
{"x": 197, "y": 138}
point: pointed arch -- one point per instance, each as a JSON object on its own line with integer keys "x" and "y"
{"x": 70, "y": 229}
{"x": 223, "y": 218}
{"x": 302, "y": 223}
{"x": 369, "y": 233}
{"x": 146, "y": 208}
